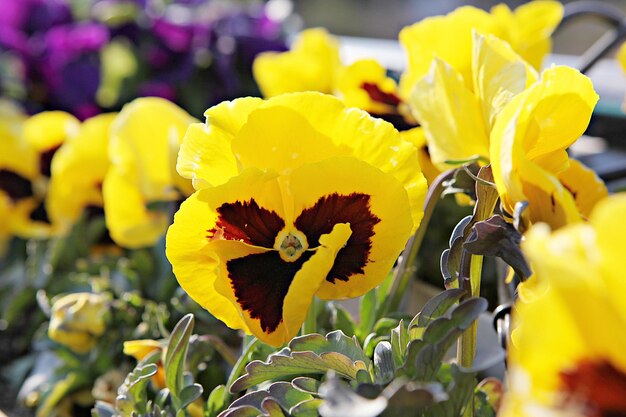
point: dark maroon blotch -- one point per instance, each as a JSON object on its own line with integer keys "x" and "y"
{"x": 261, "y": 282}
{"x": 45, "y": 161}
{"x": 598, "y": 386}
{"x": 331, "y": 210}
{"x": 16, "y": 186}
{"x": 247, "y": 222}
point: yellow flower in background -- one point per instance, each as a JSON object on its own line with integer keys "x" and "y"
{"x": 528, "y": 149}
{"x": 78, "y": 320}
{"x": 457, "y": 120}
{"x": 298, "y": 196}
{"x": 78, "y": 170}
{"x": 310, "y": 65}
{"x": 567, "y": 356}
{"x": 144, "y": 141}
{"x": 529, "y": 28}
{"x": 26, "y": 152}
{"x": 449, "y": 38}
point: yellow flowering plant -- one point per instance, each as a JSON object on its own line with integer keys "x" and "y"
{"x": 263, "y": 257}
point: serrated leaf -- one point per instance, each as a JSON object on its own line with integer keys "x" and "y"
{"x": 271, "y": 408}
{"x": 437, "y": 307}
{"x": 496, "y": 237}
{"x": 286, "y": 395}
{"x": 252, "y": 399}
{"x": 307, "y": 408}
{"x": 384, "y": 367}
{"x": 189, "y": 394}
{"x": 297, "y": 364}
{"x": 132, "y": 393}
{"x": 335, "y": 341}
{"x": 425, "y": 355}
{"x": 306, "y": 384}
{"x": 176, "y": 353}
{"x": 243, "y": 411}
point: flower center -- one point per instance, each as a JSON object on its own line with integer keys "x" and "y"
{"x": 290, "y": 244}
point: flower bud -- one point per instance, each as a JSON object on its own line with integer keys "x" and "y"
{"x": 78, "y": 320}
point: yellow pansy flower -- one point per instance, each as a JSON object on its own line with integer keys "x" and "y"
{"x": 298, "y": 196}
{"x": 458, "y": 119}
{"x": 78, "y": 320}
{"x": 78, "y": 170}
{"x": 528, "y": 149}
{"x": 145, "y": 138}
{"x": 310, "y": 65}
{"x": 449, "y": 38}
{"x": 26, "y": 152}
{"x": 568, "y": 352}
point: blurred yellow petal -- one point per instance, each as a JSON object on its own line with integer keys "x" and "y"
{"x": 145, "y": 138}
{"x": 130, "y": 222}
{"x": 365, "y": 84}
{"x": 561, "y": 357}
{"x": 584, "y": 185}
{"x": 47, "y": 130}
{"x": 418, "y": 138}
{"x": 310, "y": 65}
{"x": 621, "y": 56}
{"x": 448, "y": 38}
{"x": 78, "y": 170}
{"x": 139, "y": 349}
{"x": 528, "y": 29}
{"x": 450, "y": 115}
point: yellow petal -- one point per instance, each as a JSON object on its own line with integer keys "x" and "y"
{"x": 139, "y": 349}
{"x": 388, "y": 202}
{"x": 557, "y": 113}
{"x": 529, "y": 27}
{"x": 145, "y": 139}
{"x": 351, "y": 79}
{"x": 499, "y": 74}
{"x": 128, "y": 219}
{"x": 16, "y": 154}
{"x": 205, "y": 155}
{"x": 309, "y": 66}
{"x": 418, "y": 138}
{"x": 584, "y": 185}
{"x": 448, "y": 38}
{"x": 78, "y": 170}
{"x": 48, "y": 130}
{"x": 450, "y": 115}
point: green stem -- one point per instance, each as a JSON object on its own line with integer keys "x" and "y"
{"x": 466, "y": 349}
{"x": 310, "y": 323}
{"x": 239, "y": 368}
{"x": 407, "y": 267}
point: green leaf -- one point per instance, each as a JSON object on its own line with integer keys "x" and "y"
{"x": 436, "y": 307}
{"x": 287, "y": 395}
{"x": 496, "y": 237}
{"x": 384, "y": 367}
{"x": 308, "y": 408}
{"x": 272, "y": 408}
{"x": 244, "y": 411}
{"x": 306, "y": 384}
{"x": 132, "y": 395}
{"x": 460, "y": 390}
{"x": 341, "y": 401}
{"x": 215, "y": 403}
{"x": 399, "y": 342}
{"x": 309, "y": 354}
{"x": 424, "y": 355}
{"x": 189, "y": 394}
{"x": 411, "y": 399}
{"x": 176, "y": 353}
